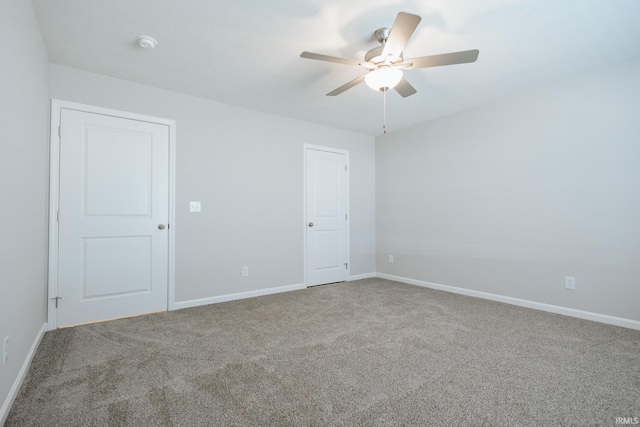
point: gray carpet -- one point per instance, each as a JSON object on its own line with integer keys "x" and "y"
{"x": 371, "y": 352}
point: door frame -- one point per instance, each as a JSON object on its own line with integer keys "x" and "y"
{"x": 54, "y": 190}
{"x": 306, "y": 148}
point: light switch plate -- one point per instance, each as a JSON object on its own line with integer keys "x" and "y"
{"x": 195, "y": 207}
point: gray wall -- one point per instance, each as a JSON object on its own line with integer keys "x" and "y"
{"x": 511, "y": 197}
{"x": 24, "y": 164}
{"x": 246, "y": 168}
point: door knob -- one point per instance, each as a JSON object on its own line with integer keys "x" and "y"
{"x": 311, "y": 224}
{"x": 161, "y": 227}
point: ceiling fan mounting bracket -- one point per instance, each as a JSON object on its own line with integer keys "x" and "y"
{"x": 382, "y": 34}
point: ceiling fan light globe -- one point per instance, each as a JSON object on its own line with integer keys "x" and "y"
{"x": 383, "y": 79}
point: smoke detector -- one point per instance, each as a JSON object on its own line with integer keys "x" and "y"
{"x": 146, "y": 42}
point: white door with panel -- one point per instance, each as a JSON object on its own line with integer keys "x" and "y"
{"x": 113, "y": 217}
{"x": 327, "y": 217}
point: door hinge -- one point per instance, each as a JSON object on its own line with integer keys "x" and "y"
{"x": 345, "y": 217}
{"x": 345, "y": 168}
{"x": 59, "y": 131}
{"x": 57, "y": 216}
{"x": 346, "y": 266}
{"x": 57, "y": 299}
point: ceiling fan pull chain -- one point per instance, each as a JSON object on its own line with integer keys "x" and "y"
{"x": 384, "y": 113}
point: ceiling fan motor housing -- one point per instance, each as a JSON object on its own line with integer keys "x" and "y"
{"x": 374, "y": 56}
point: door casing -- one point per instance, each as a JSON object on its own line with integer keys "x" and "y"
{"x": 54, "y": 189}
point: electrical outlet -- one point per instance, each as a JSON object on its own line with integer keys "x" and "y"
{"x": 245, "y": 271}
{"x": 390, "y": 259}
{"x": 570, "y": 282}
{"x": 5, "y": 350}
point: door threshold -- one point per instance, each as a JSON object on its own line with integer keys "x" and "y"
{"x": 325, "y": 284}
{"x": 110, "y": 319}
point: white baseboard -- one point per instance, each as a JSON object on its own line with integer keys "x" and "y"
{"x": 362, "y": 276}
{"x": 250, "y": 294}
{"x": 232, "y": 297}
{"x": 15, "y": 388}
{"x": 596, "y": 317}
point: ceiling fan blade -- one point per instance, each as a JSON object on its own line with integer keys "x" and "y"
{"x": 403, "y": 27}
{"x": 346, "y": 86}
{"x": 404, "y": 88}
{"x": 319, "y": 57}
{"x": 443, "y": 59}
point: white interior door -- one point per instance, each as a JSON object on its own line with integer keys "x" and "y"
{"x": 327, "y": 220}
{"x": 113, "y": 217}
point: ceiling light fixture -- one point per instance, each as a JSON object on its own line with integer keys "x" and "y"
{"x": 146, "y": 42}
{"x": 383, "y": 79}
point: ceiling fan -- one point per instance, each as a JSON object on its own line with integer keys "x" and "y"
{"x": 385, "y": 64}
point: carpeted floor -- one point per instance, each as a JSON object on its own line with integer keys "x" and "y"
{"x": 371, "y": 352}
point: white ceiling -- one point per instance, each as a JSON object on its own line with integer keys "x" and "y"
{"x": 246, "y": 52}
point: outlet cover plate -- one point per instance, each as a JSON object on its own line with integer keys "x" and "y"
{"x": 570, "y": 282}
{"x": 5, "y": 350}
